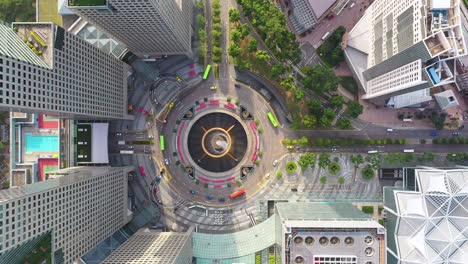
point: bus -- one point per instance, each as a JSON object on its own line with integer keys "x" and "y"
{"x": 408, "y": 150}
{"x": 272, "y": 119}
{"x": 237, "y": 193}
{"x": 207, "y": 72}
{"x": 372, "y": 151}
{"x": 126, "y": 152}
{"x": 162, "y": 144}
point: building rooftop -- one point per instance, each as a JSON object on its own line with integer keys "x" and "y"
{"x": 320, "y": 7}
{"x": 39, "y": 38}
{"x": 430, "y": 224}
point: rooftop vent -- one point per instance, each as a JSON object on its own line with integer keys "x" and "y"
{"x": 299, "y": 259}
{"x": 309, "y": 241}
{"x": 369, "y": 251}
{"x": 349, "y": 241}
{"x": 323, "y": 241}
{"x": 335, "y": 241}
{"x": 298, "y": 240}
{"x": 369, "y": 240}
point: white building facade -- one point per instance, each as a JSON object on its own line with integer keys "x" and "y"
{"x": 400, "y": 49}
{"x": 79, "y": 206}
{"x": 146, "y": 27}
{"x": 45, "y": 69}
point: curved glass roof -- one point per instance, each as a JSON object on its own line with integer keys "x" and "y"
{"x": 234, "y": 245}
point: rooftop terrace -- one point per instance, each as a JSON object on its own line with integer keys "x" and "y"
{"x": 39, "y": 37}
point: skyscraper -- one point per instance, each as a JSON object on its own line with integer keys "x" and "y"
{"x": 149, "y": 27}
{"x": 400, "y": 49}
{"x": 79, "y": 207}
{"x": 45, "y": 69}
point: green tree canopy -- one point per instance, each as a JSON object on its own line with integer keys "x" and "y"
{"x": 337, "y": 101}
{"x": 307, "y": 160}
{"x": 235, "y": 36}
{"x": 262, "y": 56}
{"x": 355, "y": 109}
{"x": 252, "y": 45}
{"x": 344, "y": 123}
{"x": 200, "y": 21}
{"x": 319, "y": 79}
{"x": 315, "y": 107}
{"x": 234, "y": 50}
{"x": 276, "y": 71}
{"x": 310, "y": 121}
{"x": 234, "y": 15}
{"x": 324, "y": 160}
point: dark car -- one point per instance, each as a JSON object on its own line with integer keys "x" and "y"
{"x": 221, "y": 200}
{"x": 209, "y": 197}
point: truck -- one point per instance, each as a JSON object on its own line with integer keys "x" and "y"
{"x": 121, "y": 142}
{"x": 126, "y": 152}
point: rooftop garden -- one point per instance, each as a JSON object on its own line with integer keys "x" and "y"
{"x": 87, "y": 2}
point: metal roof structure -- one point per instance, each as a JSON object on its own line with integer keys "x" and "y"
{"x": 430, "y": 225}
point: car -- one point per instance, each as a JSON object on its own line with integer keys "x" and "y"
{"x": 166, "y": 161}
{"x": 455, "y": 133}
{"x": 193, "y": 192}
{"x": 267, "y": 176}
{"x": 150, "y": 136}
{"x": 275, "y": 163}
{"x": 130, "y": 147}
{"x": 118, "y": 134}
{"x": 389, "y": 129}
{"x": 293, "y": 189}
{"x": 237, "y": 85}
{"x": 209, "y": 197}
{"x": 433, "y": 134}
{"x": 214, "y": 87}
{"x": 221, "y": 200}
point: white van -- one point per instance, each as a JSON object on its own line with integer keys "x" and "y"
{"x": 352, "y": 4}
{"x": 389, "y": 129}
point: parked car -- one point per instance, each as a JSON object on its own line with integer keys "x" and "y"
{"x": 193, "y": 192}
{"x": 221, "y": 200}
{"x": 275, "y": 163}
{"x": 209, "y": 197}
{"x": 166, "y": 161}
{"x": 214, "y": 87}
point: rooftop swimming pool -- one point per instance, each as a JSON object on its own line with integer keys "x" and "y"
{"x": 36, "y": 143}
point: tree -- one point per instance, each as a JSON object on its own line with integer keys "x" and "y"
{"x": 325, "y": 122}
{"x": 202, "y": 35}
{"x": 307, "y": 160}
{"x": 234, "y": 50}
{"x": 217, "y": 27}
{"x": 324, "y": 160}
{"x": 355, "y": 109}
{"x": 252, "y": 45}
{"x": 368, "y": 172}
{"x": 262, "y": 56}
{"x": 288, "y": 83}
{"x": 234, "y": 15}
{"x": 357, "y": 160}
{"x": 337, "y": 101}
{"x": 17, "y": 11}
{"x": 344, "y": 123}
{"x": 276, "y": 71}
{"x": 216, "y": 34}
{"x": 320, "y": 79}
{"x": 310, "y": 121}
{"x": 244, "y": 30}
{"x": 200, "y": 21}
{"x": 315, "y": 107}
{"x": 217, "y": 51}
{"x": 299, "y": 94}
{"x": 235, "y": 36}
{"x": 327, "y": 117}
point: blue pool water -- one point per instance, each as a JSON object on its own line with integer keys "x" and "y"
{"x": 36, "y": 143}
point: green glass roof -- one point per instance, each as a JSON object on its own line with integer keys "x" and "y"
{"x": 319, "y": 211}
{"x": 235, "y": 245}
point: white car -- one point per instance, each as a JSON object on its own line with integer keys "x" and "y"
{"x": 150, "y": 136}
{"x": 166, "y": 161}
{"x": 275, "y": 163}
